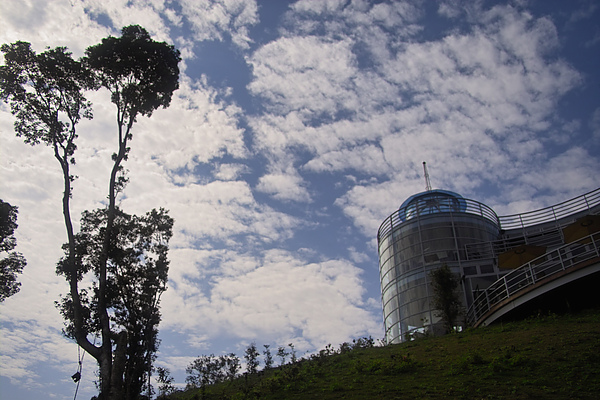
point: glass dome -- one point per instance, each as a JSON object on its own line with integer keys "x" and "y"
{"x": 431, "y": 202}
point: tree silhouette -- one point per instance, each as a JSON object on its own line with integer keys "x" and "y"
{"x": 268, "y": 356}
{"x": 251, "y": 355}
{"x": 141, "y": 75}
{"x": 45, "y": 93}
{"x": 446, "y": 299}
{"x": 136, "y": 278}
{"x": 14, "y": 262}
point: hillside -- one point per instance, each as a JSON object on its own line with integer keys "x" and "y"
{"x": 550, "y": 357}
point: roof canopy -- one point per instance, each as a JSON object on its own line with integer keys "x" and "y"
{"x": 431, "y": 202}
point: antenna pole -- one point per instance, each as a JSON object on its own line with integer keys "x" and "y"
{"x": 427, "y": 183}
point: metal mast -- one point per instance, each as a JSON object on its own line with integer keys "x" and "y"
{"x": 427, "y": 183}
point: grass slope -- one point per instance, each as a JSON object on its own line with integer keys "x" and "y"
{"x": 551, "y": 357}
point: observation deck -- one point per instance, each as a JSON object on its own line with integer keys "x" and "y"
{"x": 434, "y": 202}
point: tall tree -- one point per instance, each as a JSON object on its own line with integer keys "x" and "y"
{"x": 45, "y": 92}
{"x": 141, "y": 75}
{"x": 13, "y": 263}
{"x": 446, "y": 298}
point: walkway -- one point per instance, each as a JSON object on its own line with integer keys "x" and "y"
{"x": 568, "y": 263}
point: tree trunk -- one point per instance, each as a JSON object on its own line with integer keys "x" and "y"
{"x": 118, "y": 367}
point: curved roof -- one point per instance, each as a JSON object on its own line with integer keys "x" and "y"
{"x": 431, "y": 202}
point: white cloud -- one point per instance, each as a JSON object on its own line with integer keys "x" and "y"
{"x": 210, "y": 20}
{"x": 568, "y": 173}
{"x": 220, "y": 210}
{"x": 194, "y": 129}
{"x": 366, "y": 159}
{"x": 277, "y": 296}
{"x": 145, "y": 13}
{"x": 50, "y": 349}
{"x": 368, "y": 205}
{"x": 305, "y": 74}
{"x": 359, "y": 19}
{"x": 473, "y": 102}
{"x": 229, "y": 172}
{"x": 49, "y": 24}
{"x": 284, "y": 186}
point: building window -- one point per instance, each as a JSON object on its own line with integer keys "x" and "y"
{"x": 470, "y": 270}
{"x": 487, "y": 269}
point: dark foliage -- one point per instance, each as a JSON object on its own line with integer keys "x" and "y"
{"x": 45, "y": 93}
{"x": 251, "y": 355}
{"x": 12, "y": 262}
{"x": 282, "y": 354}
{"x": 137, "y": 276}
{"x": 211, "y": 370}
{"x": 165, "y": 382}
{"x": 446, "y": 299}
{"x": 268, "y": 356}
{"x": 140, "y": 73}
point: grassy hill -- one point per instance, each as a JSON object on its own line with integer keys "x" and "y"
{"x": 549, "y": 357}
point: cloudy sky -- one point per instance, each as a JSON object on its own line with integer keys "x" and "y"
{"x": 298, "y": 127}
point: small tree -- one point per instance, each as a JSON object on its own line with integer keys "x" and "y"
{"x": 293, "y": 353}
{"x": 251, "y": 355}
{"x": 208, "y": 370}
{"x": 446, "y": 297}
{"x": 204, "y": 371}
{"x": 13, "y": 263}
{"x": 232, "y": 366}
{"x": 165, "y": 382}
{"x": 282, "y": 354}
{"x": 268, "y": 357}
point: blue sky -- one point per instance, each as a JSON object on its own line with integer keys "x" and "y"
{"x": 298, "y": 127}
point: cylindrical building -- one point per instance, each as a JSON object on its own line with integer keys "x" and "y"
{"x": 431, "y": 229}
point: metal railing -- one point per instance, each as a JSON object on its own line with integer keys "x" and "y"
{"x": 491, "y": 249}
{"x": 548, "y": 235}
{"x": 466, "y": 207}
{"x": 553, "y": 213}
{"x": 529, "y": 274}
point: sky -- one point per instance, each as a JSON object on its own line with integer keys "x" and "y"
{"x": 298, "y": 127}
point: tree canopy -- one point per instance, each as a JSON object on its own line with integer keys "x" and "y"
{"x": 45, "y": 93}
{"x": 13, "y": 262}
{"x": 140, "y": 73}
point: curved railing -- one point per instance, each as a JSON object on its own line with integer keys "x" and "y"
{"x": 556, "y": 212}
{"x": 552, "y": 213}
{"x": 529, "y": 274}
{"x": 467, "y": 206}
